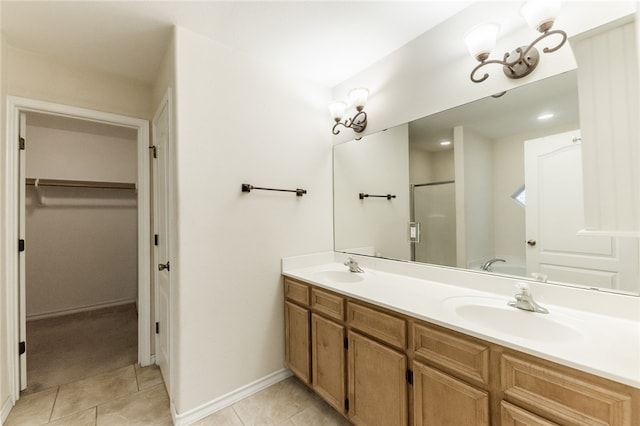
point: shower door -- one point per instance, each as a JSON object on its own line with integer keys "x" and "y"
{"x": 434, "y": 207}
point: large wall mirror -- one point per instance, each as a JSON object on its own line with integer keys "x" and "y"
{"x": 494, "y": 186}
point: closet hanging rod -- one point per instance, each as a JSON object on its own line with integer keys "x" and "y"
{"x": 362, "y": 196}
{"x": 79, "y": 183}
{"x": 248, "y": 188}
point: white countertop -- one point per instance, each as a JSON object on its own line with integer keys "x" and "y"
{"x": 603, "y": 345}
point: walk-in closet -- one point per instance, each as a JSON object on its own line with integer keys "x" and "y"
{"x": 81, "y": 256}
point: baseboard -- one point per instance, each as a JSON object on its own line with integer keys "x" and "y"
{"x": 231, "y": 398}
{"x": 6, "y": 408}
{"x": 80, "y": 309}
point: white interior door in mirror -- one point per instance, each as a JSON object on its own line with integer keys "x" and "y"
{"x": 555, "y": 216}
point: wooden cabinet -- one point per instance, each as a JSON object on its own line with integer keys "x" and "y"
{"x": 296, "y": 320}
{"x": 441, "y": 400}
{"x": 379, "y": 368}
{"x": 377, "y": 384}
{"x": 328, "y": 360}
{"x": 566, "y": 396}
{"x": 510, "y": 415}
{"x": 452, "y": 390}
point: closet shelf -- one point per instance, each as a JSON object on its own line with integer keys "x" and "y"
{"x": 79, "y": 183}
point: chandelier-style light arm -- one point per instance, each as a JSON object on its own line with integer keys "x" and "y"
{"x": 526, "y": 58}
{"x": 545, "y": 35}
{"x": 358, "y": 123}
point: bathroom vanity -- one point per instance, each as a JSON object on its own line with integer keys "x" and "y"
{"x": 388, "y": 349}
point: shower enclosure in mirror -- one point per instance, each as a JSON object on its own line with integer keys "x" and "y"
{"x": 504, "y": 196}
{"x": 433, "y": 208}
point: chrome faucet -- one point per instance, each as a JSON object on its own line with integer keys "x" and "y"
{"x": 524, "y": 300}
{"x": 353, "y": 265}
{"x": 486, "y": 266}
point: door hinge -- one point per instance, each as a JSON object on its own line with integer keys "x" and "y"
{"x": 22, "y": 348}
{"x": 157, "y": 328}
{"x": 21, "y": 143}
{"x": 410, "y": 377}
{"x": 20, "y": 245}
{"x": 346, "y": 404}
{"x": 155, "y": 239}
{"x": 346, "y": 343}
{"x": 154, "y": 151}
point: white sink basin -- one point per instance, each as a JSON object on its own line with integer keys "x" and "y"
{"x": 345, "y": 276}
{"x": 494, "y": 314}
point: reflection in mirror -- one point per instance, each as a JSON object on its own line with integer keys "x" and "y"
{"x": 493, "y": 186}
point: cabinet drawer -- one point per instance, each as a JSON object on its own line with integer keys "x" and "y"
{"x": 468, "y": 358}
{"x": 328, "y": 304}
{"x": 389, "y": 329}
{"x": 298, "y": 292}
{"x": 563, "y": 395}
{"x": 510, "y": 415}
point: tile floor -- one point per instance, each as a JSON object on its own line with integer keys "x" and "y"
{"x": 82, "y": 372}
{"x": 136, "y": 396}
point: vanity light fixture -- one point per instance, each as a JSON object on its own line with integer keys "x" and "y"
{"x": 357, "y": 99}
{"x": 540, "y": 15}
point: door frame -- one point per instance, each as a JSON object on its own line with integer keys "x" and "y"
{"x": 16, "y": 105}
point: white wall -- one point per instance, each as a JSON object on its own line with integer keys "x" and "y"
{"x": 474, "y": 198}
{"x": 240, "y": 122}
{"x": 36, "y": 76}
{"x": 429, "y": 167}
{"x": 82, "y": 243}
{"x": 377, "y": 165}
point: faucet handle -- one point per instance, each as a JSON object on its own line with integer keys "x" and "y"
{"x": 349, "y": 261}
{"x": 523, "y": 288}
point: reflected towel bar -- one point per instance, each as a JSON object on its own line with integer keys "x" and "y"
{"x": 362, "y": 196}
{"x": 247, "y": 188}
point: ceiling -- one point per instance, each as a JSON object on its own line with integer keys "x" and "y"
{"x": 513, "y": 113}
{"x": 324, "y": 41}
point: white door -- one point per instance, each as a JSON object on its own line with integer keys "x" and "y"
{"x": 22, "y": 314}
{"x": 555, "y": 217}
{"x": 161, "y": 138}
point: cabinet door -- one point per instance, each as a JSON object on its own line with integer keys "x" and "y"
{"x": 297, "y": 354}
{"x": 328, "y": 361}
{"x": 442, "y": 400}
{"x": 377, "y": 383}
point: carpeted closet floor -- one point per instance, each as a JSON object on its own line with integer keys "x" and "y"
{"x": 64, "y": 349}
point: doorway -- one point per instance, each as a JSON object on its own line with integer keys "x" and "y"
{"x": 18, "y": 112}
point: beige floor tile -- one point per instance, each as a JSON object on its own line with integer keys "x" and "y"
{"x": 225, "y": 417}
{"x": 86, "y": 393}
{"x": 148, "y": 376}
{"x": 149, "y": 407}
{"x": 83, "y": 418}
{"x": 319, "y": 415}
{"x": 275, "y": 404}
{"x": 33, "y": 409}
